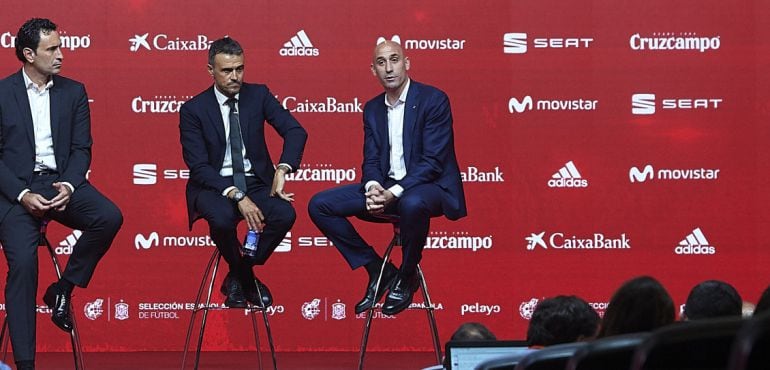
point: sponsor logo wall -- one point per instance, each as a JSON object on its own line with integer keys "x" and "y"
{"x": 591, "y": 150}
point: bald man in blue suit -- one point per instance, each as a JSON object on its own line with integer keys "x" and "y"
{"x": 409, "y": 170}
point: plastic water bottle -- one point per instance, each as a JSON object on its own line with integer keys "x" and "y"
{"x": 250, "y": 245}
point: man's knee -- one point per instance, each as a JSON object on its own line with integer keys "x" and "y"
{"x": 412, "y": 205}
{"x": 113, "y": 219}
{"x": 317, "y": 206}
{"x": 284, "y": 218}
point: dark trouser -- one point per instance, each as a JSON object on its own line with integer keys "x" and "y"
{"x": 89, "y": 211}
{"x": 331, "y": 208}
{"x": 223, "y": 217}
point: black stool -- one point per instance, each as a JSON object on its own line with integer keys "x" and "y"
{"x": 212, "y": 268}
{"x": 427, "y": 304}
{"x": 77, "y": 352}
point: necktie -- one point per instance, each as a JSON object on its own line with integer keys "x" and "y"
{"x": 236, "y": 147}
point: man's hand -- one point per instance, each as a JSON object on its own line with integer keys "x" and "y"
{"x": 35, "y": 204}
{"x": 60, "y": 201}
{"x": 278, "y": 182}
{"x": 251, "y": 213}
{"x": 377, "y": 198}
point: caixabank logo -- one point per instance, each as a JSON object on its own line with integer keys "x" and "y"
{"x": 695, "y": 243}
{"x": 482, "y": 174}
{"x": 561, "y": 241}
{"x": 164, "y": 42}
{"x": 328, "y": 104}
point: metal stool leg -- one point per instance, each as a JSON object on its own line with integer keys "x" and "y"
{"x": 431, "y": 318}
{"x": 4, "y": 339}
{"x": 209, "y": 278}
{"x": 268, "y": 332}
{"x": 206, "y": 311}
{"x": 370, "y": 312}
{"x": 197, "y": 307}
{"x": 77, "y": 351}
{"x": 253, "y": 315}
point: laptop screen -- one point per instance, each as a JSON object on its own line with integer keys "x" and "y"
{"x": 462, "y": 355}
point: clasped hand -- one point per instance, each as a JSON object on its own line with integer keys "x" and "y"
{"x": 377, "y": 198}
{"x": 38, "y": 205}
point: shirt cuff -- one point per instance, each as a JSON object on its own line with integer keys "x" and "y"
{"x": 21, "y": 195}
{"x": 284, "y": 164}
{"x": 397, "y": 190}
{"x": 370, "y": 184}
{"x": 227, "y": 190}
{"x": 72, "y": 188}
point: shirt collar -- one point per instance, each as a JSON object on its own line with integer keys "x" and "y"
{"x": 222, "y": 98}
{"x": 402, "y": 98}
{"x": 31, "y": 85}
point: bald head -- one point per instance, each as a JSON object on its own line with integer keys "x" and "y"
{"x": 391, "y": 67}
{"x": 389, "y": 47}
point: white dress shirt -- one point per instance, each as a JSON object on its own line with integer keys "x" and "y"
{"x": 227, "y": 164}
{"x": 40, "y": 107}
{"x": 396, "y": 140}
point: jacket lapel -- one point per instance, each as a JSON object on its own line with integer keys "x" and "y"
{"x": 215, "y": 116}
{"x": 20, "y": 92}
{"x": 381, "y": 121}
{"x": 55, "y": 98}
{"x": 410, "y": 117}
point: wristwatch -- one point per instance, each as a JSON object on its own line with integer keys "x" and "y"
{"x": 238, "y": 196}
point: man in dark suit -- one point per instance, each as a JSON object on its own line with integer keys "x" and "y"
{"x": 45, "y": 152}
{"x": 409, "y": 170}
{"x": 231, "y": 174}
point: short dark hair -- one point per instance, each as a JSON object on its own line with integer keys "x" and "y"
{"x": 712, "y": 298}
{"x": 29, "y": 35}
{"x": 472, "y": 331}
{"x": 640, "y": 304}
{"x": 561, "y": 319}
{"x": 225, "y": 45}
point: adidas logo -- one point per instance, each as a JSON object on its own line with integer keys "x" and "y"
{"x": 568, "y": 177}
{"x": 695, "y": 243}
{"x": 65, "y": 246}
{"x": 298, "y": 46}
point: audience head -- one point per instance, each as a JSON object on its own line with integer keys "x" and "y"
{"x": 472, "y": 331}
{"x": 763, "y": 305}
{"x": 640, "y": 304}
{"x": 562, "y": 319}
{"x": 712, "y": 298}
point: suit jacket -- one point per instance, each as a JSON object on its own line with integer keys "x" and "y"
{"x": 429, "y": 152}
{"x": 202, "y": 134}
{"x": 70, "y": 129}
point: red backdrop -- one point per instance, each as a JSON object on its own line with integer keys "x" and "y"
{"x": 642, "y": 124}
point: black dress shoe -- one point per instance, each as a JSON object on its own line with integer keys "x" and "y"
{"x": 261, "y": 297}
{"x": 59, "y": 303}
{"x": 401, "y": 294}
{"x": 233, "y": 290}
{"x": 369, "y": 298}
